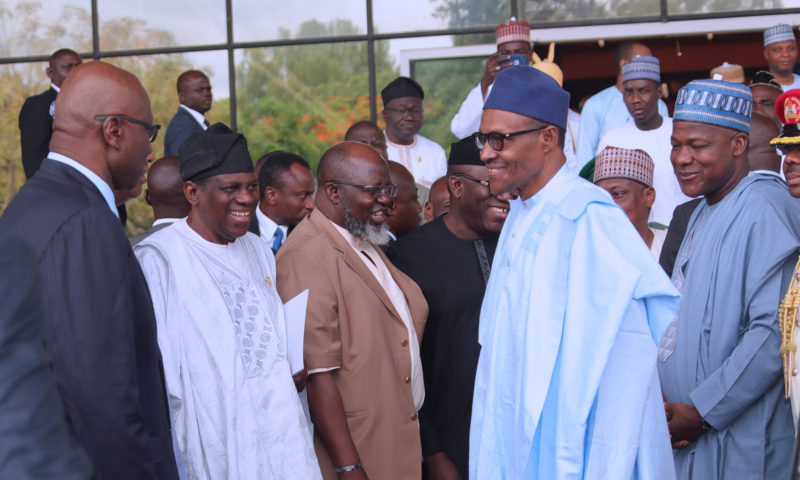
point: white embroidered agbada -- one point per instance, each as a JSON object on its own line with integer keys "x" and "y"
{"x": 235, "y": 411}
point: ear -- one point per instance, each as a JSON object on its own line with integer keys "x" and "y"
{"x": 191, "y": 191}
{"x": 428, "y": 211}
{"x": 332, "y": 191}
{"x": 180, "y": 96}
{"x": 456, "y": 186}
{"x": 147, "y": 197}
{"x": 740, "y": 142}
{"x": 49, "y": 72}
{"x": 112, "y": 131}
{"x": 270, "y": 196}
{"x": 549, "y": 138}
{"x": 649, "y": 196}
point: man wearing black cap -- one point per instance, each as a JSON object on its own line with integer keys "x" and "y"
{"x": 221, "y": 326}
{"x": 403, "y": 114}
{"x": 566, "y": 382}
{"x": 450, "y": 259}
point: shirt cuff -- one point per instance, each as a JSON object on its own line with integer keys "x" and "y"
{"x": 325, "y": 369}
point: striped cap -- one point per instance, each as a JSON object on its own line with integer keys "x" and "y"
{"x": 642, "y": 67}
{"x": 778, "y": 33}
{"x": 514, "y": 31}
{"x": 715, "y": 102}
{"x": 615, "y": 162}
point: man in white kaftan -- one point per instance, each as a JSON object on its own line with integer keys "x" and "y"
{"x": 566, "y": 385}
{"x": 235, "y": 410}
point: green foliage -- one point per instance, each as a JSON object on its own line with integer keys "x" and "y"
{"x": 303, "y": 98}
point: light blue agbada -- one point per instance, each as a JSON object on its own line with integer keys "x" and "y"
{"x": 566, "y": 386}
{"x": 723, "y": 357}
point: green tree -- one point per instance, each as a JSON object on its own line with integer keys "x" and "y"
{"x": 303, "y": 98}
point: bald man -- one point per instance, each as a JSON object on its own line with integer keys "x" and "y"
{"x": 99, "y": 327}
{"x": 364, "y": 322}
{"x": 368, "y": 133}
{"x": 194, "y": 93}
{"x": 438, "y": 202}
{"x": 404, "y": 215}
{"x": 165, "y": 195}
{"x": 761, "y": 156}
{"x": 36, "y": 115}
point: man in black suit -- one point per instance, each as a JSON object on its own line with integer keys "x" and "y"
{"x": 99, "y": 326}
{"x": 194, "y": 93}
{"x": 286, "y": 190}
{"x": 36, "y": 115}
{"x": 34, "y": 440}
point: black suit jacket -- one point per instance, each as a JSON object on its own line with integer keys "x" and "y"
{"x": 35, "y": 130}
{"x": 180, "y": 127}
{"x": 34, "y": 440}
{"x": 99, "y": 326}
{"x": 675, "y": 234}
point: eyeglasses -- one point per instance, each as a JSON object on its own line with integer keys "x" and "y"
{"x": 152, "y": 128}
{"x": 785, "y": 149}
{"x": 485, "y": 183}
{"x": 496, "y": 139}
{"x": 403, "y": 112}
{"x": 373, "y": 190}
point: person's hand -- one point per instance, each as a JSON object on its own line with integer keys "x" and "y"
{"x": 493, "y": 67}
{"x": 684, "y": 422}
{"x": 359, "y": 474}
{"x": 440, "y": 467}
{"x": 300, "y": 380}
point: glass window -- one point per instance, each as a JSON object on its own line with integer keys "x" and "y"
{"x": 414, "y": 15}
{"x": 301, "y": 99}
{"x": 446, "y": 82}
{"x": 588, "y": 9}
{"x": 18, "y": 81}
{"x": 40, "y": 28}
{"x": 678, "y": 7}
{"x": 135, "y": 24}
{"x": 253, "y": 21}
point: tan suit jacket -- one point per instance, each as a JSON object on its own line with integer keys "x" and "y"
{"x": 351, "y": 323}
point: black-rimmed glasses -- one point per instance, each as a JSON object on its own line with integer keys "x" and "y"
{"x": 373, "y": 190}
{"x": 152, "y": 128}
{"x": 496, "y": 139}
{"x": 485, "y": 183}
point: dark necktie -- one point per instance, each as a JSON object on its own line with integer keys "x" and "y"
{"x": 205, "y": 122}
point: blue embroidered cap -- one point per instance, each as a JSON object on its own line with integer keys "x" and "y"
{"x": 715, "y": 102}
{"x": 527, "y": 91}
{"x": 643, "y": 66}
{"x": 778, "y": 33}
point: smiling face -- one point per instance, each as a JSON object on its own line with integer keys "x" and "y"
{"x": 482, "y": 212}
{"x": 781, "y": 56}
{"x": 641, "y": 98}
{"x": 222, "y": 205}
{"x": 521, "y": 166}
{"x": 708, "y": 160}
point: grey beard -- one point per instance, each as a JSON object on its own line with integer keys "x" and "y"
{"x": 364, "y": 230}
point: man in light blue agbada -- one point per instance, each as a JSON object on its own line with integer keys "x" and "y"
{"x": 566, "y": 386}
{"x": 720, "y": 366}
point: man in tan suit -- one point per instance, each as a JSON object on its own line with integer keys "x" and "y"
{"x": 363, "y": 324}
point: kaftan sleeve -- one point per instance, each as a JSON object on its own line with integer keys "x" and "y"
{"x": 755, "y": 363}
{"x": 468, "y": 119}
{"x": 589, "y": 135}
{"x": 322, "y": 345}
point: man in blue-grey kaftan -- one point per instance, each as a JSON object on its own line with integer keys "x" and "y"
{"x": 720, "y": 366}
{"x": 566, "y": 385}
